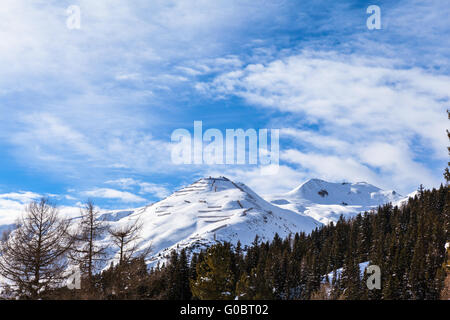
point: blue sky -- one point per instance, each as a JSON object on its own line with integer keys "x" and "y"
{"x": 89, "y": 112}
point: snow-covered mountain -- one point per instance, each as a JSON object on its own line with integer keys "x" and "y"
{"x": 210, "y": 209}
{"x": 327, "y": 201}
{"x": 218, "y": 209}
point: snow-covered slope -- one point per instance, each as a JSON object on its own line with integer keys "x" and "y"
{"x": 362, "y": 268}
{"x": 211, "y": 209}
{"x": 404, "y": 200}
{"x": 327, "y": 201}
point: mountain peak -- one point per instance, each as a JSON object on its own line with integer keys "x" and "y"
{"x": 213, "y": 209}
{"x": 347, "y": 193}
{"x": 327, "y": 201}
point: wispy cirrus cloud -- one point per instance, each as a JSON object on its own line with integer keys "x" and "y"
{"x": 22, "y": 197}
{"x": 148, "y": 188}
{"x": 108, "y": 193}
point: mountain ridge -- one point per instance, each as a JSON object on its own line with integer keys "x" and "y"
{"x": 327, "y": 201}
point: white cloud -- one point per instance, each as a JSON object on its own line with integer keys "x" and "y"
{"x": 10, "y": 211}
{"x": 76, "y": 145}
{"x": 397, "y": 161}
{"x": 154, "y": 189}
{"x": 330, "y": 167}
{"x": 123, "y": 183}
{"x": 107, "y": 193}
{"x": 345, "y": 92}
{"x": 316, "y": 139}
{"x": 12, "y": 206}
{"x": 22, "y": 197}
{"x": 385, "y": 164}
{"x": 128, "y": 76}
{"x": 144, "y": 187}
{"x": 117, "y": 38}
{"x": 49, "y": 132}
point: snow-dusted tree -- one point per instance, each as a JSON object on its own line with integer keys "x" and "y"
{"x": 88, "y": 253}
{"x": 34, "y": 256}
{"x": 126, "y": 239}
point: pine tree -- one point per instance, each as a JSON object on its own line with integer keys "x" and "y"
{"x": 260, "y": 283}
{"x": 173, "y": 274}
{"x": 214, "y": 279}
{"x": 351, "y": 274}
{"x": 178, "y": 277}
{"x": 183, "y": 267}
{"x": 244, "y": 290}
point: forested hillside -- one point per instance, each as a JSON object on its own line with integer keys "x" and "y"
{"x": 407, "y": 243}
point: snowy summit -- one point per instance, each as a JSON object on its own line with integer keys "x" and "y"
{"x": 209, "y": 210}
{"x": 327, "y": 201}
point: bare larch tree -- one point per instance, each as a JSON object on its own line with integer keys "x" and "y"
{"x": 126, "y": 240}
{"x": 88, "y": 252}
{"x": 34, "y": 256}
